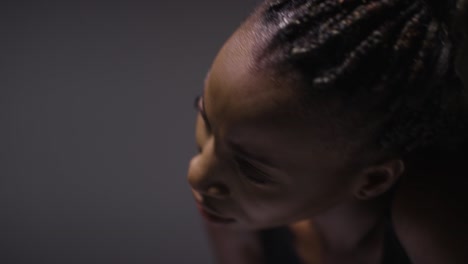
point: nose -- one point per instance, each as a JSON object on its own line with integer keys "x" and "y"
{"x": 208, "y": 175}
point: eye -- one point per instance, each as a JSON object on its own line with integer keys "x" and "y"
{"x": 252, "y": 173}
{"x": 202, "y": 130}
{"x": 199, "y": 105}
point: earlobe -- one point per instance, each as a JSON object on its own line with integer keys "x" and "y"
{"x": 378, "y": 179}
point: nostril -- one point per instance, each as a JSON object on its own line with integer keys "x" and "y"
{"x": 203, "y": 177}
{"x": 217, "y": 190}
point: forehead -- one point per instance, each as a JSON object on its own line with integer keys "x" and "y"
{"x": 235, "y": 84}
{"x": 253, "y": 108}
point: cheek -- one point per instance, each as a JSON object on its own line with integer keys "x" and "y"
{"x": 325, "y": 194}
{"x": 274, "y": 209}
{"x": 301, "y": 201}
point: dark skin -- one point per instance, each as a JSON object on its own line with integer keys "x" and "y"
{"x": 306, "y": 174}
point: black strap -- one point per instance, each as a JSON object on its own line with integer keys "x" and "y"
{"x": 393, "y": 251}
{"x": 278, "y": 245}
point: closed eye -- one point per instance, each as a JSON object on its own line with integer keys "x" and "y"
{"x": 253, "y": 173}
{"x": 202, "y": 130}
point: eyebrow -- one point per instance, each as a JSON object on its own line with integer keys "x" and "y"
{"x": 248, "y": 155}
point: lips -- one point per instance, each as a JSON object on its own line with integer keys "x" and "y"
{"x": 211, "y": 216}
{"x": 208, "y": 213}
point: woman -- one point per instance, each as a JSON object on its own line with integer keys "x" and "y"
{"x": 333, "y": 131}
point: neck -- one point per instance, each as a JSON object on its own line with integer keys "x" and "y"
{"x": 352, "y": 227}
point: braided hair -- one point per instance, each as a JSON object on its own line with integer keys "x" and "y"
{"x": 397, "y": 56}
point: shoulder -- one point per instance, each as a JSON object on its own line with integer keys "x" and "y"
{"x": 430, "y": 216}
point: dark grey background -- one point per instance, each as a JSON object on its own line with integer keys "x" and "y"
{"x": 97, "y": 128}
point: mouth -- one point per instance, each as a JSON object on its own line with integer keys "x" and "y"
{"x": 211, "y": 216}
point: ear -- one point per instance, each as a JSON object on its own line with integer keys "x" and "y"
{"x": 377, "y": 179}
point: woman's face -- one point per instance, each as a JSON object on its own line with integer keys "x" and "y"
{"x": 257, "y": 163}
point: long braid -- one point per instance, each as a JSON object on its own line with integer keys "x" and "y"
{"x": 396, "y": 51}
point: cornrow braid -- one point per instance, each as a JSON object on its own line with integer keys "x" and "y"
{"x": 363, "y": 53}
{"x": 397, "y": 52}
{"x": 404, "y": 49}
